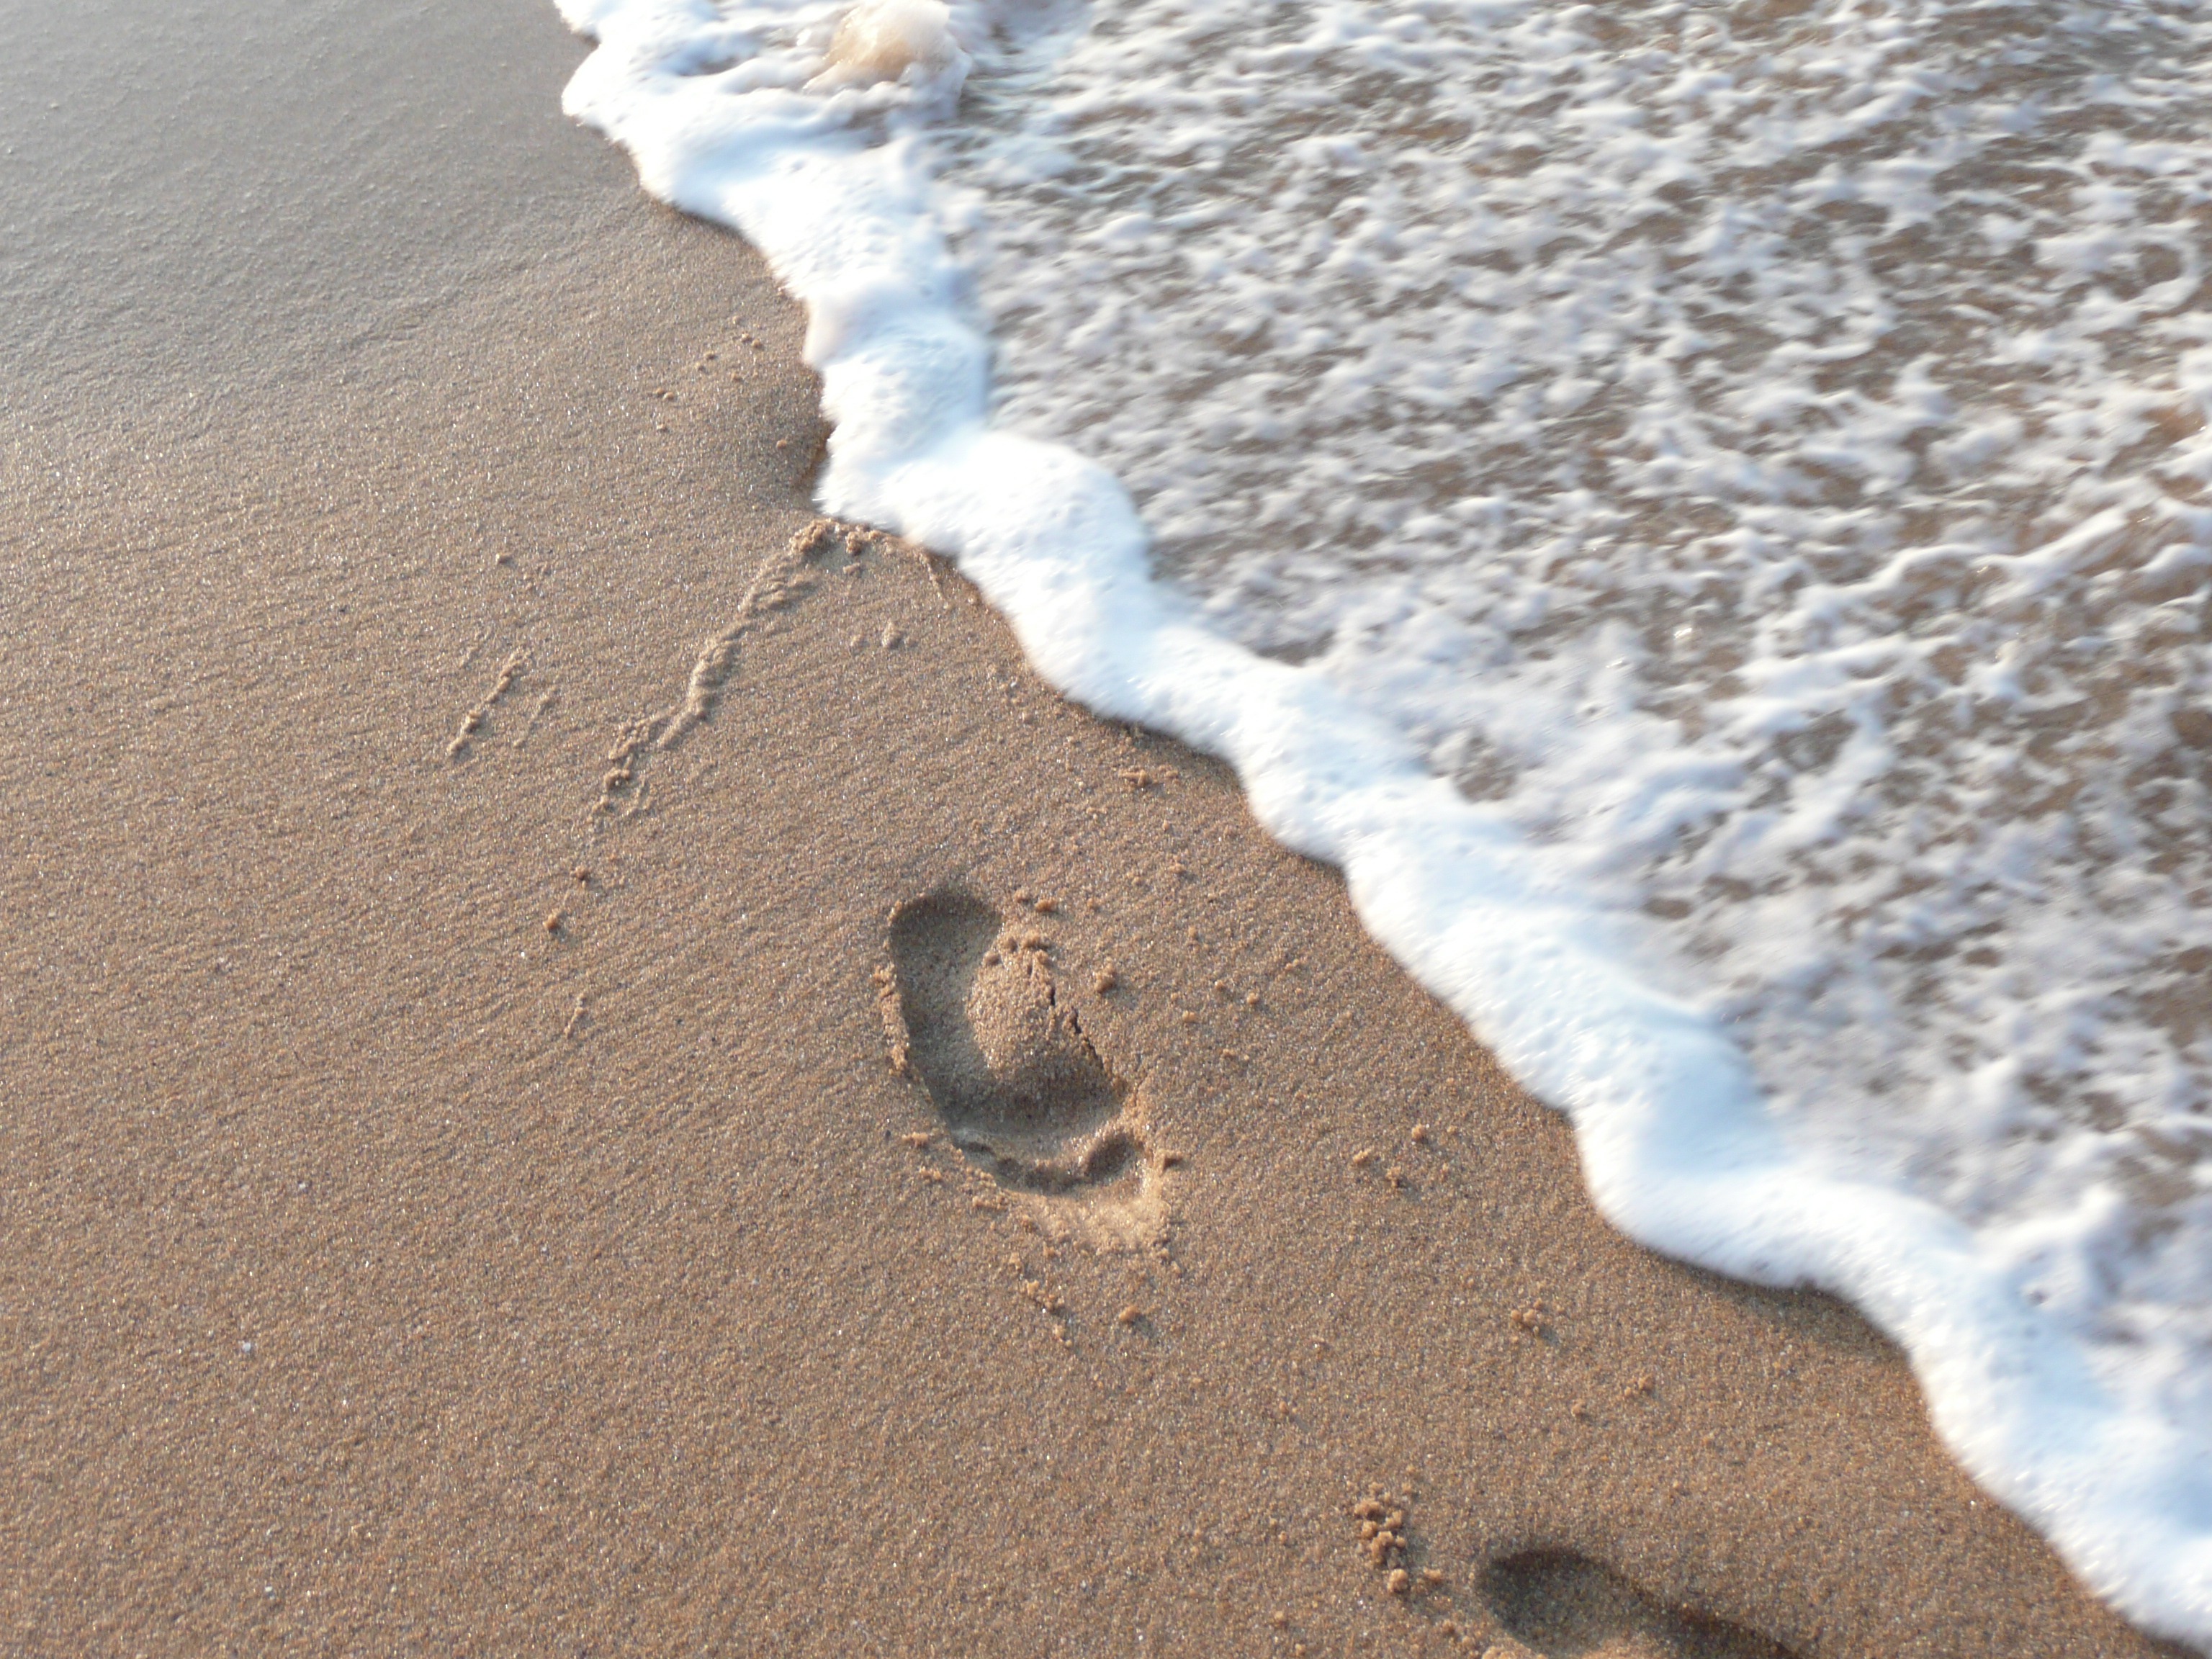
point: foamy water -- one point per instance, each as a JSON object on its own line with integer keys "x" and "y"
{"x": 1703, "y": 513}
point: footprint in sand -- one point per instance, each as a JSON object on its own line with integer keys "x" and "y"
{"x": 977, "y": 1017}
{"x": 1565, "y": 1606}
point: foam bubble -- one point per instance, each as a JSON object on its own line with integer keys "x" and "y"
{"x": 887, "y": 40}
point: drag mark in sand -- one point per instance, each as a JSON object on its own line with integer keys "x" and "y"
{"x": 783, "y": 577}
{"x": 977, "y": 1018}
{"x": 538, "y": 712}
{"x": 472, "y": 722}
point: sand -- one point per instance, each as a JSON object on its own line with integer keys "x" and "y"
{"x": 462, "y": 1193}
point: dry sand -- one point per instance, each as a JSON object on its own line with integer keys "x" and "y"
{"x": 453, "y": 1200}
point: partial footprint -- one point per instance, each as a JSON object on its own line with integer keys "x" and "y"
{"x": 976, "y": 1017}
{"x": 1566, "y": 1606}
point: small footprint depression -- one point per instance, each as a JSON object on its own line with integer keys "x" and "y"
{"x": 979, "y": 1020}
{"x": 1565, "y": 1605}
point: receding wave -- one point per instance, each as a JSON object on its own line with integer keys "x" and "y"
{"x": 1755, "y": 457}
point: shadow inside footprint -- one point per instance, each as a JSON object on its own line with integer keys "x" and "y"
{"x": 981, "y": 1021}
{"x": 1565, "y": 1605}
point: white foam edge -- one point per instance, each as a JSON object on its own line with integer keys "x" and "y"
{"x": 1677, "y": 1150}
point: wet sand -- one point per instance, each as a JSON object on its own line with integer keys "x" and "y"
{"x": 457, "y": 1195}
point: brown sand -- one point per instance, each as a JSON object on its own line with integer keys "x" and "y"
{"x": 439, "y": 1215}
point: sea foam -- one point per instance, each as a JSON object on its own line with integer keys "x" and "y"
{"x": 1701, "y": 515}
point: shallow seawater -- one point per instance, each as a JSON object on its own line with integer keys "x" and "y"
{"x": 1761, "y": 449}
{"x": 1756, "y": 455}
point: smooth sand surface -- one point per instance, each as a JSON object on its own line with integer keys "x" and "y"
{"x": 456, "y": 1196}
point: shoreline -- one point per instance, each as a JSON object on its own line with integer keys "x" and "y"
{"x": 420, "y": 1244}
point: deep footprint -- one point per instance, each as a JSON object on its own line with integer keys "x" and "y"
{"x": 1565, "y": 1606}
{"x": 980, "y": 1022}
